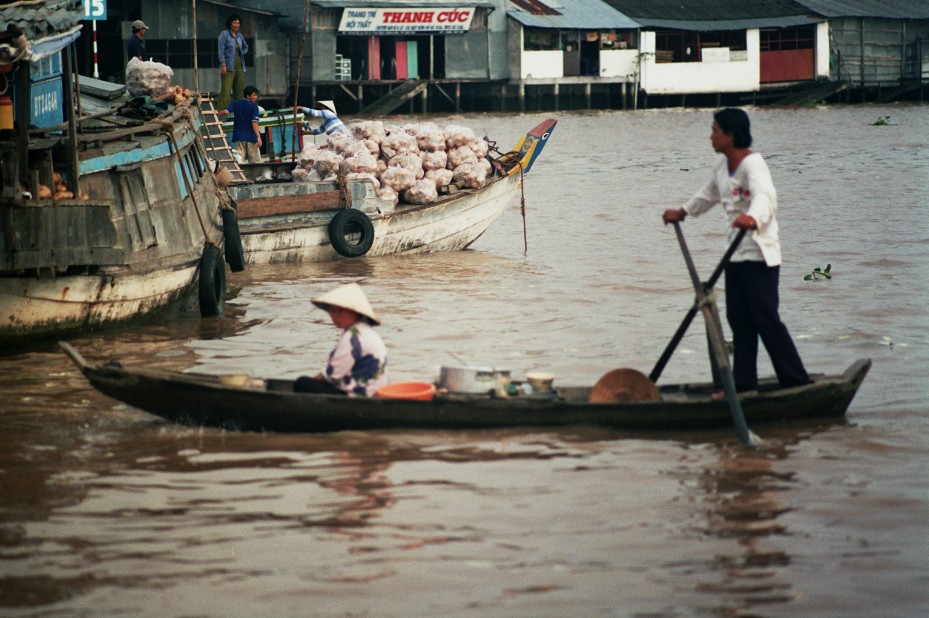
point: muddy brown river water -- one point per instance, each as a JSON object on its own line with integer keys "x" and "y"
{"x": 105, "y": 510}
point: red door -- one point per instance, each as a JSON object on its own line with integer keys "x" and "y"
{"x": 374, "y": 58}
{"x": 400, "y": 51}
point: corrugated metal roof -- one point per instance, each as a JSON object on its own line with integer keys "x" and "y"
{"x": 706, "y": 10}
{"x": 573, "y": 15}
{"x": 893, "y": 9}
{"x": 732, "y": 24}
{"x": 39, "y": 18}
{"x": 240, "y": 7}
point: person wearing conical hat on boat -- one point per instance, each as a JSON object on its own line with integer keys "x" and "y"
{"x": 330, "y": 121}
{"x": 742, "y": 183}
{"x": 357, "y": 366}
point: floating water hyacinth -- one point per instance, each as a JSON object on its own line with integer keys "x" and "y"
{"x": 819, "y": 274}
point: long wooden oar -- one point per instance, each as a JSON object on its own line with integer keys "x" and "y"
{"x": 706, "y": 302}
{"x": 701, "y": 288}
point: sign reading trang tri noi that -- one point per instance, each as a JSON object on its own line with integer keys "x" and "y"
{"x": 406, "y": 21}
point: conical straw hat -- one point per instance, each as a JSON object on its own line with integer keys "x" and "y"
{"x": 349, "y": 296}
{"x": 330, "y": 105}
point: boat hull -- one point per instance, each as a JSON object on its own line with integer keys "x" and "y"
{"x": 452, "y": 223}
{"x": 283, "y": 221}
{"x": 44, "y": 307}
{"x": 272, "y": 405}
{"x": 133, "y": 247}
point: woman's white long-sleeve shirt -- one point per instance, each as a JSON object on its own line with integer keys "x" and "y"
{"x": 749, "y": 190}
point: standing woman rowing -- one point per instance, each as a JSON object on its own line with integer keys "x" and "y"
{"x": 742, "y": 183}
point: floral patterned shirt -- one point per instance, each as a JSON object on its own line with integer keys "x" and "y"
{"x": 358, "y": 363}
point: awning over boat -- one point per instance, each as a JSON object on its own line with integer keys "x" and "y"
{"x": 49, "y": 45}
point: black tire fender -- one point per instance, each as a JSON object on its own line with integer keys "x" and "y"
{"x": 235, "y": 254}
{"x": 212, "y": 289}
{"x": 354, "y": 223}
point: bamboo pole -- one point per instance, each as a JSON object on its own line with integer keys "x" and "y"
{"x": 196, "y": 67}
{"x": 306, "y": 19}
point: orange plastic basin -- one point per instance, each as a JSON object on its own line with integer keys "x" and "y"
{"x": 407, "y": 390}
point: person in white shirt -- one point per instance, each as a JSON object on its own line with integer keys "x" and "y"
{"x": 357, "y": 366}
{"x": 742, "y": 183}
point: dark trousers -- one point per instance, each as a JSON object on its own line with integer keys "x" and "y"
{"x": 306, "y": 384}
{"x": 751, "y": 308}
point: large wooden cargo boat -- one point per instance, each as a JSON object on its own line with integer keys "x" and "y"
{"x": 105, "y": 215}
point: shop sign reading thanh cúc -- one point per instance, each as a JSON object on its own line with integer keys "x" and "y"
{"x": 406, "y": 21}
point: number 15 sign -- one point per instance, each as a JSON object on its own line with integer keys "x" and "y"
{"x": 95, "y": 10}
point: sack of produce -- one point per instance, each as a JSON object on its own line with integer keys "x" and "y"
{"x": 469, "y": 175}
{"x": 458, "y": 136}
{"x": 308, "y": 154}
{"x": 423, "y": 192}
{"x": 354, "y": 148}
{"x": 369, "y": 129}
{"x": 388, "y": 194}
{"x": 398, "y": 178}
{"x": 327, "y": 163}
{"x": 398, "y": 142}
{"x": 430, "y": 137}
{"x": 435, "y": 160}
{"x": 480, "y": 147}
{"x": 148, "y": 78}
{"x": 339, "y": 141}
{"x": 361, "y": 177}
{"x": 410, "y": 161}
{"x": 362, "y": 163}
{"x": 441, "y": 177}
{"x": 460, "y": 155}
{"x": 299, "y": 174}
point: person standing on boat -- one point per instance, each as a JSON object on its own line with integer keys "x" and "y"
{"x": 330, "y": 120}
{"x": 742, "y": 183}
{"x": 357, "y": 366}
{"x": 245, "y": 131}
{"x": 232, "y": 50}
{"x": 135, "y": 46}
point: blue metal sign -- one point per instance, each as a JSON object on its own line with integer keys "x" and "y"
{"x": 45, "y": 109}
{"x": 95, "y": 10}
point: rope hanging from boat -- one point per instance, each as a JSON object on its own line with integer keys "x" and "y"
{"x": 505, "y": 163}
{"x": 522, "y": 207}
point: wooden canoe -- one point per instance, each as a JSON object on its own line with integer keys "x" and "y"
{"x": 247, "y": 404}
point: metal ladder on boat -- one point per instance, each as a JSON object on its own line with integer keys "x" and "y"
{"x": 214, "y": 138}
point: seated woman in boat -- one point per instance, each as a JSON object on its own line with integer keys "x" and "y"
{"x": 331, "y": 123}
{"x": 357, "y": 366}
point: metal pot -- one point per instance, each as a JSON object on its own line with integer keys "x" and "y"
{"x": 473, "y": 380}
